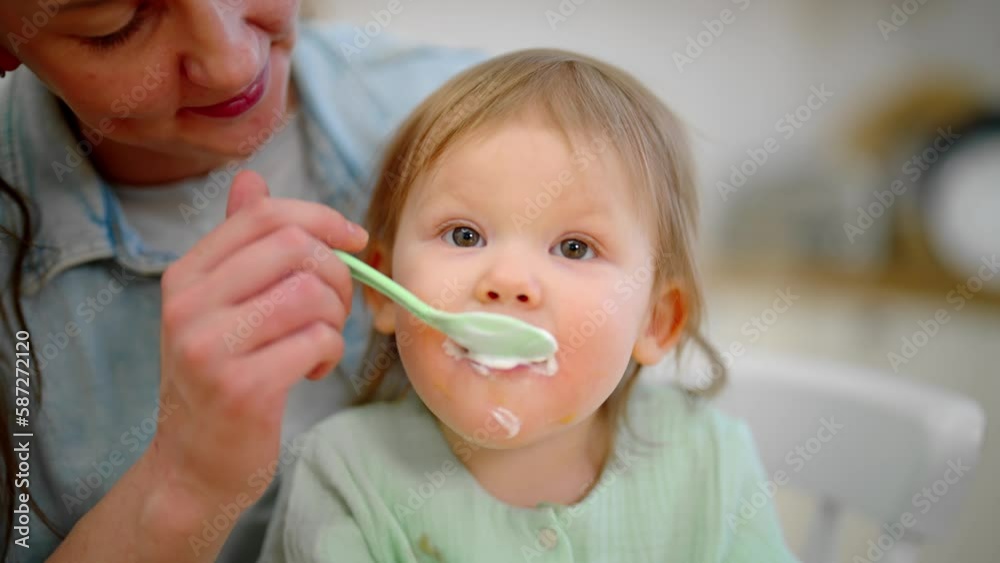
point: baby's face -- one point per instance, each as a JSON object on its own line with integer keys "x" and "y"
{"x": 515, "y": 223}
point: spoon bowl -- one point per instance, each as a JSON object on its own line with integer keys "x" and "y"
{"x": 484, "y": 335}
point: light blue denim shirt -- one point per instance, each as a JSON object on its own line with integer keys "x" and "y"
{"x": 92, "y": 288}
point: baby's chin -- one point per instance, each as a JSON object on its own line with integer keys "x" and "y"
{"x": 502, "y": 409}
{"x": 495, "y": 427}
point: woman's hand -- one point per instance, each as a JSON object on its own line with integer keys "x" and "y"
{"x": 254, "y": 307}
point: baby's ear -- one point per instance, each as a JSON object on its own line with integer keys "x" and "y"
{"x": 663, "y": 326}
{"x": 382, "y": 308}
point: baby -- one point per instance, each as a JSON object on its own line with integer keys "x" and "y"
{"x": 554, "y": 188}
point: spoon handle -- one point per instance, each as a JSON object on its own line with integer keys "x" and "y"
{"x": 384, "y": 285}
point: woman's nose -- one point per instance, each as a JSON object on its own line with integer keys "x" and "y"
{"x": 508, "y": 284}
{"x": 223, "y": 52}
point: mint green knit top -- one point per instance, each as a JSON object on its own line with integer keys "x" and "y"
{"x": 380, "y": 484}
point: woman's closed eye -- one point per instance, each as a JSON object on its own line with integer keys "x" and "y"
{"x": 124, "y": 33}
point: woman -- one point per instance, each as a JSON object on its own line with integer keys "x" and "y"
{"x": 171, "y": 320}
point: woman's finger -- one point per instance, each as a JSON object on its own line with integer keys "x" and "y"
{"x": 285, "y": 362}
{"x": 266, "y": 261}
{"x": 247, "y": 188}
{"x": 289, "y": 306}
{"x": 256, "y": 221}
{"x": 320, "y": 371}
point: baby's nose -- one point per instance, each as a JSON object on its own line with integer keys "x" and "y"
{"x": 508, "y": 288}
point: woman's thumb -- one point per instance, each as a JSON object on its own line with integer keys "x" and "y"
{"x": 247, "y": 188}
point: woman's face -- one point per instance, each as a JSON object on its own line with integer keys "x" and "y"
{"x": 176, "y": 77}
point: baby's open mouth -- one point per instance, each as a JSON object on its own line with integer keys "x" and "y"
{"x": 487, "y": 364}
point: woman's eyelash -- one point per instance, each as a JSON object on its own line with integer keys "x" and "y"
{"x": 120, "y": 37}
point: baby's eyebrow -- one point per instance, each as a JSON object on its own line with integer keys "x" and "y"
{"x": 444, "y": 189}
{"x": 581, "y": 203}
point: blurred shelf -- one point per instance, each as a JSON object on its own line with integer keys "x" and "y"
{"x": 918, "y": 282}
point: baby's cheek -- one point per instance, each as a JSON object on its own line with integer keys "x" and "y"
{"x": 597, "y": 344}
{"x": 418, "y": 347}
{"x": 588, "y": 375}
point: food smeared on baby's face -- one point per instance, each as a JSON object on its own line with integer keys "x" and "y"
{"x": 508, "y": 420}
{"x": 486, "y": 364}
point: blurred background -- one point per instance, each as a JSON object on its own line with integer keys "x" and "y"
{"x": 849, "y": 155}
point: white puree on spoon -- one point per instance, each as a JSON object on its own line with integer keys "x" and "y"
{"x": 484, "y": 363}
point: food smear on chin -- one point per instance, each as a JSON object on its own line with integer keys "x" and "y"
{"x": 508, "y": 420}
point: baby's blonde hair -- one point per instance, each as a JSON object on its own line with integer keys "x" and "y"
{"x": 580, "y": 95}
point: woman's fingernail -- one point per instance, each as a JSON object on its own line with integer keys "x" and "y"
{"x": 357, "y": 231}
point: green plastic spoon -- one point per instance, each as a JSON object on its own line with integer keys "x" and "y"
{"x": 500, "y": 340}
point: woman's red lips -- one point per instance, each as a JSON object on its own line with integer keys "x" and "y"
{"x": 240, "y": 104}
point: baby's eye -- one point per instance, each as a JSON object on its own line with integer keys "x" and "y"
{"x": 574, "y": 249}
{"x": 464, "y": 236}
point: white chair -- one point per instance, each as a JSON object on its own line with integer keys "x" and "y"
{"x": 898, "y": 437}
